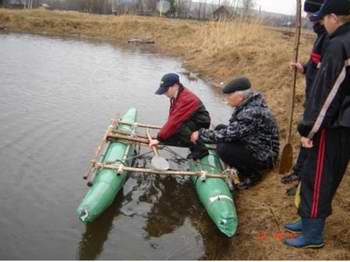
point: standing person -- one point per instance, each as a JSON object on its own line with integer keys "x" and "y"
{"x": 186, "y": 115}
{"x": 325, "y": 129}
{"x": 309, "y": 70}
{"x": 250, "y": 141}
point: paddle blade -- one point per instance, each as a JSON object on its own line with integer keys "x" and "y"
{"x": 286, "y": 159}
{"x": 159, "y": 163}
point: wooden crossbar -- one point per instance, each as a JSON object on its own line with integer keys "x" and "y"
{"x": 138, "y": 124}
{"x": 120, "y": 168}
{"x": 135, "y": 139}
{"x": 139, "y": 139}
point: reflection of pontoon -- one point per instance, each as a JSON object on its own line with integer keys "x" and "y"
{"x": 111, "y": 173}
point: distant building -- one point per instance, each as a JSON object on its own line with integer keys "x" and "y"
{"x": 44, "y": 6}
{"x": 222, "y": 13}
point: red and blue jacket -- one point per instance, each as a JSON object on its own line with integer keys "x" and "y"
{"x": 311, "y": 67}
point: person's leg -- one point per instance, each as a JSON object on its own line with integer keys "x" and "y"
{"x": 321, "y": 176}
{"x": 294, "y": 227}
{"x": 312, "y": 234}
{"x": 237, "y": 156}
{"x": 310, "y": 173}
{"x": 179, "y": 139}
{"x": 182, "y": 138}
{"x": 337, "y": 151}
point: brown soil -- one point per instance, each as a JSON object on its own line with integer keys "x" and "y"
{"x": 218, "y": 51}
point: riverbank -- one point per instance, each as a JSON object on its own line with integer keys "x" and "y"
{"x": 217, "y": 51}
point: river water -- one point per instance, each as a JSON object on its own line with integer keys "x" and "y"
{"x": 57, "y": 97}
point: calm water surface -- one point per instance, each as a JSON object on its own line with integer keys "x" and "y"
{"x": 57, "y": 97}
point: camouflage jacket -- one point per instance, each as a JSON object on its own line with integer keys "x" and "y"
{"x": 253, "y": 124}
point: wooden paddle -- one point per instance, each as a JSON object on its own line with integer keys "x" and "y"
{"x": 157, "y": 162}
{"x": 286, "y": 161}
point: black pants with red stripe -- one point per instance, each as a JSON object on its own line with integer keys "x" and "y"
{"x": 323, "y": 171}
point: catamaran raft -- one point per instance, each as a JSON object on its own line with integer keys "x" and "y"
{"x": 109, "y": 171}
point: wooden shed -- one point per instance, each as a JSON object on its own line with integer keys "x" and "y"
{"x": 222, "y": 12}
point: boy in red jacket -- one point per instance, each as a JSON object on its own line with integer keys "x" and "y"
{"x": 186, "y": 115}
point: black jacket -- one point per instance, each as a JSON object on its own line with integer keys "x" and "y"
{"x": 329, "y": 103}
{"x": 310, "y": 68}
{"x": 253, "y": 124}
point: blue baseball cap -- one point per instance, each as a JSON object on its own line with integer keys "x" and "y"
{"x": 338, "y": 7}
{"x": 312, "y": 6}
{"x": 167, "y": 81}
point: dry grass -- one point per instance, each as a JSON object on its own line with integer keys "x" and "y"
{"x": 218, "y": 51}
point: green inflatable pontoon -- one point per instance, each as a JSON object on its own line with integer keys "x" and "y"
{"x": 215, "y": 194}
{"x": 107, "y": 182}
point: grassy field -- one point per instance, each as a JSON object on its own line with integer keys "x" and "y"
{"x": 217, "y": 51}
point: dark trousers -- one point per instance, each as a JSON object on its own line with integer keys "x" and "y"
{"x": 236, "y": 155}
{"x": 323, "y": 171}
{"x": 182, "y": 138}
{"x": 300, "y": 161}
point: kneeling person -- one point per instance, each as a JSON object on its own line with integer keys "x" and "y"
{"x": 186, "y": 115}
{"x": 250, "y": 142}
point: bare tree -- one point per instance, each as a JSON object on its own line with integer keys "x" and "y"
{"x": 202, "y": 10}
{"x": 247, "y": 7}
{"x": 151, "y": 6}
{"x": 182, "y": 8}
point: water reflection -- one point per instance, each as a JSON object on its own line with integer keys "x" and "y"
{"x": 91, "y": 244}
{"x": 171, "y": 209}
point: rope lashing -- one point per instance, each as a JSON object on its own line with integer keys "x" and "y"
{"x": 232, "y": 174}
{"x": 120, "y": 169}
{"x": 203, "y": 176}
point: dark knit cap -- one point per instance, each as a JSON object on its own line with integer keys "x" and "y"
{"x": 312, "y": 6}
{"x": 167, "y": 81}
{"x": 237, "y": 84}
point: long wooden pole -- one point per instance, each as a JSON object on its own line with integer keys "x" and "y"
{"x": 295, "y": 71}
{"x": 99, "y": 148}
{"x": 286, "y": 161}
